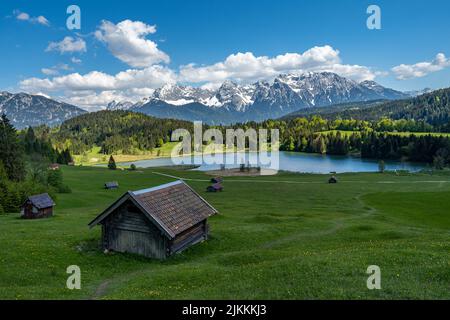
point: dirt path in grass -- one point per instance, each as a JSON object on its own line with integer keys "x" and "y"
{"x": 101, "y": 290}
{"x": 104, "y": 288}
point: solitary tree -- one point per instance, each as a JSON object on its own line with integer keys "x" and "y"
{"x": 112, "y": 163}
{"x": 381, "y": 166}
{"x": 438, "y": 163}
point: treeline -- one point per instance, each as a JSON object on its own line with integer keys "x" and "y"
{"x": 369, "y": 139}
{"x": 374, "y": 145}
{"x": 130, "y": 133}
{"x": 37, "y": 143}
{"x": 24, "y": 161}
{"x": 432, "y": 109}
{"x": 115, "y": 131}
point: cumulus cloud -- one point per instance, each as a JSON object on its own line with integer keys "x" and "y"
{"x": 94, "y": 87}
{"x": 127, "y": 42}
{"x": 68, "y": 44}
{"x": 52, "y": 71}
{"x": 246, "y": 67}
{"x": 23, "y": 16}
{"x": 421, "y": 69}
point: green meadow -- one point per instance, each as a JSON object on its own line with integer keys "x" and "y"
{"x": 289, "y": 236}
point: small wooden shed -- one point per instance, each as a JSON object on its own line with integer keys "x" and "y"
{"x": 216, "y": 180}
{"x": 214, "y": 188}
{"x": 155, "y": 222}
{"x": 111, "y": 185}
{"x": 53, "y": 166}
{"x": 332, "y": 180}
{"x": 37, "y": 206}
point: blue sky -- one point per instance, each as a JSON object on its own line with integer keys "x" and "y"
{"x": 172, "y": 35}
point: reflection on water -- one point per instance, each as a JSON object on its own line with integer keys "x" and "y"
{"x": 288, "y": 161}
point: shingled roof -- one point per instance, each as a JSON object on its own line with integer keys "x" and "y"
{"x": 41, "y": 201}
{"x": 174, "y": 207}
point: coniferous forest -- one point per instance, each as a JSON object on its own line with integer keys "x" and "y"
{"x": 24, "y": 165}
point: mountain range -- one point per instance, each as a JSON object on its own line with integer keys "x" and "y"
{"x": 229, "y": 103}
{"x": 25, "y": 110}
{"x": 259, "y": 101}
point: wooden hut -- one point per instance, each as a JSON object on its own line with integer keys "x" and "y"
{"x": 111, "y": 185}
{"x": 37, "y": 206}
{"x": 155, "y": 222}
{"x": 214, "y": 188}
{"x": 53, "y": 166}
{"x": 216, "y": 180}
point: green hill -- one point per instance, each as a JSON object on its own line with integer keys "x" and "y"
{"x": 432, "y": 108}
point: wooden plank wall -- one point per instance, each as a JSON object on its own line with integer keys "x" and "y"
{"x": 189, "y": 237}
{"x": 128, "y": 230}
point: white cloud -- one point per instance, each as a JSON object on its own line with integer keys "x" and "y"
{"x": 127, "y": 42}
{"x": 49, "y": 71}
{"x": 23, "y": 16}
{"x": 421, "y": 69}
{"x": 75, "y": 60}
{"x": 92, "y": 90}
{"x": 43, "y": 20}
{"x": 246, "y": 67}
{"x": 68, "y": 44}
{"x": 53, "y": 71}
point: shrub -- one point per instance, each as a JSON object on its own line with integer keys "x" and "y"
{"x": 64, "y": 188}
{"x": 133, "y": 167}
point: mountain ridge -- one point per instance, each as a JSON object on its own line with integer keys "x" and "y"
{"x": 261, "y": 100}
{"x": 25, "y": 109}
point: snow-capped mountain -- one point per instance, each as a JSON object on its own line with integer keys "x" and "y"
{"x": 122, "y": 105}
{"x": 416, "y": 93}
{"x": 25, "y": 110}
{"x": 381, "y": 91}
{"x": 180, "y": 95}
{"x": 262, "y": 100}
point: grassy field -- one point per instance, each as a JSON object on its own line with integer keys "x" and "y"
{"x": 290, "y": 236}
{"x": 95, "y": 157}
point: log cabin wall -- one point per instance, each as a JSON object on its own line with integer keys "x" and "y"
{"x": 128, "y": 230}
{"x": 31, "y": 212}
{"x": 189, "y": 237}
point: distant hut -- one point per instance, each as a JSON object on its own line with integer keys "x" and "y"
{"x": 53, "y": 166}
{"x": 216, "y": 180}
{"x": 111, "y": 185}
{"x": 37, "y": 206}
{"x": 333, "y": 179}
{"x": 214, "y": 188}
{"x": 155, "y": 222}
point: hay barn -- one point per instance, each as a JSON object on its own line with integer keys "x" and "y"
{"x": 155, "y": 222}
{"x": 37, "y": 206}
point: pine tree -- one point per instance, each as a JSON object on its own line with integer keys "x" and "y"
{"x": 11, "y": 153}
{"x": 112, "y": 163}
{"x": 30, "y": 141}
